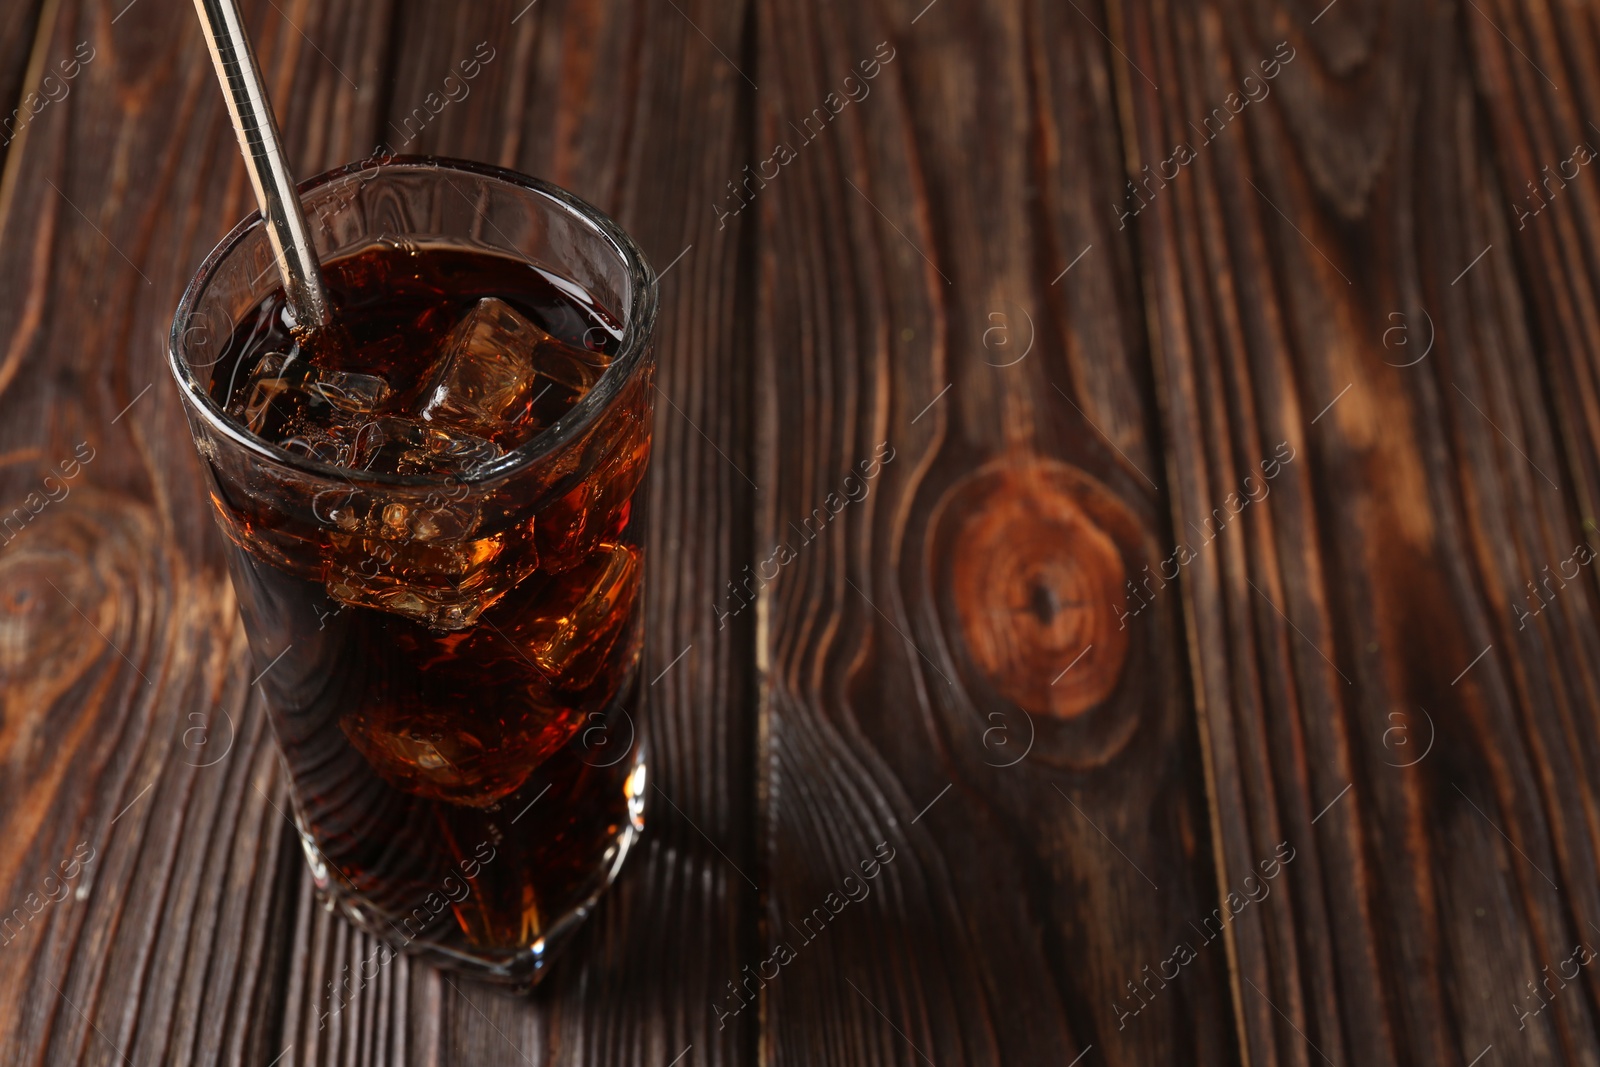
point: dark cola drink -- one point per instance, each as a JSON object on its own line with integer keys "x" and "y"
{"x": 448, "y": 631}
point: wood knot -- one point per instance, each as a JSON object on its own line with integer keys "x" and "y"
{"x": 1035, "y": 577}
{"x": 71, "y": 587}
{"x": 39, "y": 627}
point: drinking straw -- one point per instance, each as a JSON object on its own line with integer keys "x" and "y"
{"x": 262, "y": 147}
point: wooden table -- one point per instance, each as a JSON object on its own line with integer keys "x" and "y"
{"x": 1213, "y": 645}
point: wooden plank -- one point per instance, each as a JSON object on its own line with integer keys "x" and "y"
{"x": 584, "y": 94}
{"x": 1533, "y": 66}
{"x": 945, "y": 675}
{"x": 23, "y": 88}
{"x": 1327, "y": 270}
{"x": 1552, "y": 210}
{"x": 128, "y": 728}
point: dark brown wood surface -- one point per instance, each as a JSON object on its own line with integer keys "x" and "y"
{"x": 1176, "y": 560}
{"x": 1340, "y": 269}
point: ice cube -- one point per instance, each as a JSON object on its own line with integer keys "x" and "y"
{"x": 315, "y": 443}
{"x": 285, "y": 394}
{"x": 396, "y": 445}
{"x": 571, "y": 627}
{"x": 361, "y": 577}
{"x": 456, "y": 755}
{"x": 597, "y": 508}
{"x": 350, "y": 392}
{"x": 419, "y": 557}
{"x": 562, "y": 526}
{"x": 432, "y": 755}
{"x": 497, "y": 365}
{"x": 445, "y": 585}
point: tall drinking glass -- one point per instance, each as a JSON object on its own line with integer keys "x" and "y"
{"x": 450, "y": 661}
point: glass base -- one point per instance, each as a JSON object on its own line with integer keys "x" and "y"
{"x": 519, "y": 968}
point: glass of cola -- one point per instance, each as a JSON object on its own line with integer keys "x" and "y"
{"x": 433, "y": 519}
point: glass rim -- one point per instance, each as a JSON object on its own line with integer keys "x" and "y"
{"x": 638, "y": 325}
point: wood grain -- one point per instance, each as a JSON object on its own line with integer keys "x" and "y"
{"x": 946, "y": 675}
{"x": 1550, "y": 203}
{"x": 1065, "y": 533}
{"x": 129, "y": 725}
{"x": 1369, "y": 696}
{"x": 19, "y": 24}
